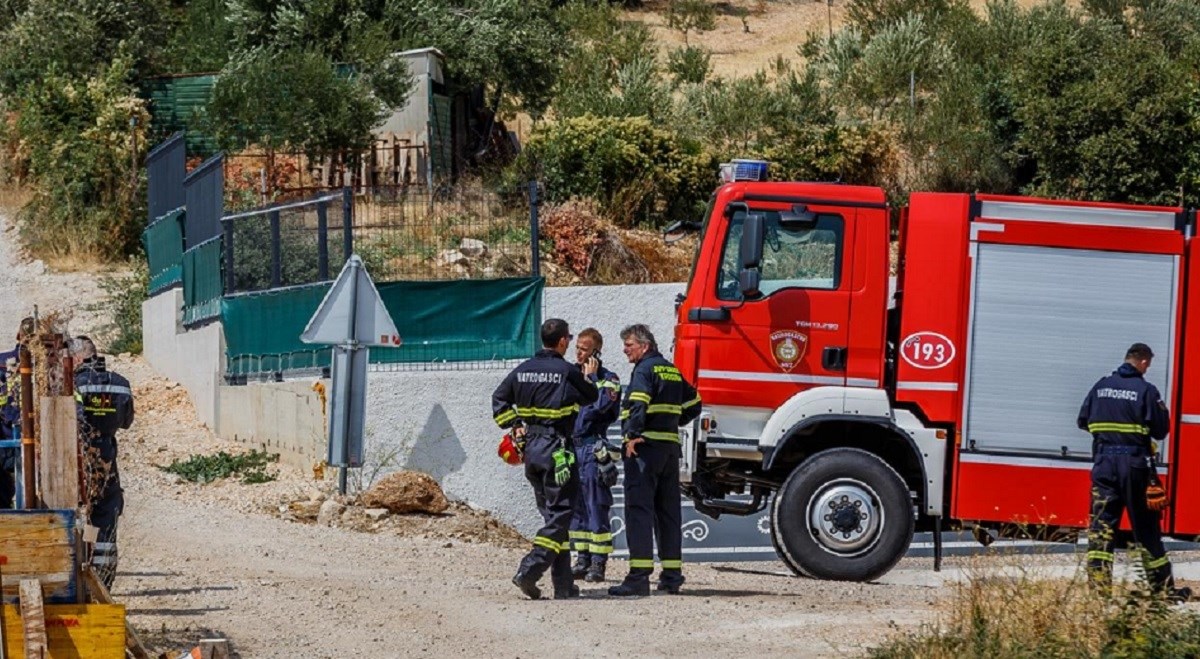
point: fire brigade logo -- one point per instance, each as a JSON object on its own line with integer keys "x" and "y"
{"x": 788, "y": 347}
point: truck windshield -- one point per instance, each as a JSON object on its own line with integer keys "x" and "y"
{"x": 794, "y": 256}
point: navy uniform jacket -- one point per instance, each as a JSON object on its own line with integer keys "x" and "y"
{"x": 594, "y": 419}
{"x": 103, "y": 399}
{"x": 657, "y": 401}
{"x": 1124, "y": 409}
{"x": 544, "y": 390}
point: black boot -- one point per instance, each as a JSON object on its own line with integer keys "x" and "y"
{"x": 595, "y": 573}
{"x": 629, "y": 588}
{"x": 582, "y": 561}
{"x": 570, "y": 592}
{"x": 528, "y": 585}
{"x": 636, "y": 584}
{"x": 532, "y": 567}
{"x": 670, "y": 583}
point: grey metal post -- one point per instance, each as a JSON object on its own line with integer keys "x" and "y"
{"x": 229, "y": 278}
{"x": 536, "y": 267}
{"x": 347, "y": 223}
{"x": 276, "y": 248}
{"x": 322, "y": 241}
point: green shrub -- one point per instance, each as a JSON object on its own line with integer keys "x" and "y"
{"x": 251, "y": 466}
{"x": 635, "y": 170}
{"x": 689, "y": 65}
{"x": 122, "y": 303}
{"x": 88, "y": 200}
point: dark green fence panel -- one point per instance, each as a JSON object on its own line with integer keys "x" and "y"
{"x": 202, "y": 283}
{"x": 163, "y": 241}
{"x": 439, "y": 321}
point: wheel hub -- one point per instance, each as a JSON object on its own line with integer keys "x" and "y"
{"x": 845, "y": 516}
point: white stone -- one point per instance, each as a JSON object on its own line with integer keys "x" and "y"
{"x": 472, "y": 247}
{"x": 329, "y": 513}
{"x": 452, "y": 257}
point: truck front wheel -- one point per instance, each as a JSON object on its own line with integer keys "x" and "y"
{"x": 843, "y": 514}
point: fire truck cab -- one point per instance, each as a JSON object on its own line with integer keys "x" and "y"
{"x": 874, "y": 405}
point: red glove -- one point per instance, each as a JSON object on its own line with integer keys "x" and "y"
{"x": 1156, "y": 497}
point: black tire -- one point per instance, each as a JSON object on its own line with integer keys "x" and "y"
{"x": 844, "y": 487}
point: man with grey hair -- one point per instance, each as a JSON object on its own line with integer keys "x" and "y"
{"x": 657, "y": 401}
{"x": 104, "y": 405}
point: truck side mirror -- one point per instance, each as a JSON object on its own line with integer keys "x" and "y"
{"x": 750, "y": 252}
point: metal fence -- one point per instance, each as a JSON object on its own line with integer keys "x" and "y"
{"x": 402, "y": 233}
{"x": 459, "y": 262}
{"x": 290, "y": 244}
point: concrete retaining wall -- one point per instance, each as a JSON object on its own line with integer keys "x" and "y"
{"x": 193, "y": 358}
{"x": 436, "y": 421}
{"x": 285, "y": 417}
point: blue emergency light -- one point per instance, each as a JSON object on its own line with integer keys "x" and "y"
{"x": 744, "y": 170}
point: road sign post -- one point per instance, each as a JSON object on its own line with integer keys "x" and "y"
{"x": 352, "y": 318}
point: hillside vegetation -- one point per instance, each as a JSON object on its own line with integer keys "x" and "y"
{"x": 630, "y": 108}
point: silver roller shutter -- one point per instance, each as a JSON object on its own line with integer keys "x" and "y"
{"x": 1046, "y": 324}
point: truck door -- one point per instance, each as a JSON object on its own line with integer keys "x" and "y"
{"x": 758, "y": 353}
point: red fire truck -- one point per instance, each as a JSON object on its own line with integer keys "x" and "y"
{"x": 873, "y": 406}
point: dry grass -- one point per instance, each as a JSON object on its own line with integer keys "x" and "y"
{"x": 13, "y": 198}
{"x": 1020, "y": 609}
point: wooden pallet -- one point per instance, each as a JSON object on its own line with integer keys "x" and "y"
{"x": 40, "y": 545}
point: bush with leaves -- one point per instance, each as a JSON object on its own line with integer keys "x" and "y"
{"x": 76, "y": 138}
{"x": 691, "y": 16}
{"x": 636, "y": 171}
{"x": 121, "y": 308}
{"x": 323, "y": 111}
{"x": 689, "y": 65}
{"x": 611, "y": 67}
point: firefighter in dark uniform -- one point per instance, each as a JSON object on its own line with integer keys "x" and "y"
{"x": 539, "y": 400}
{"x": 657, "y": 401}
{"x": 591, "y": 530}
{"x": 1124, "y": 414}
{"x": 104, "y": 405}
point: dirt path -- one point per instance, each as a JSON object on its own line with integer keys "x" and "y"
{"x": 218, "y": 559}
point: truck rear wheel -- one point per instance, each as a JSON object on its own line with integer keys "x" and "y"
{"x": 843, "y": 514}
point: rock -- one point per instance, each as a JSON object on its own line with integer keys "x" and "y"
{"x": 472, "y": 247}
{"x": 376, "y": 514}
{"x": 329, "y": 513}
{"x": 407, "y": 492}
{"x": 452, "y": 257}
{"x": 316, "y": 496}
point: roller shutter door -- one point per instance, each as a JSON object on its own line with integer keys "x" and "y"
{"x": 1046, "y": 324}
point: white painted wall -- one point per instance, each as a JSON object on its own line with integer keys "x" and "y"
{"x": 610, "y": 309}
{"x": 436, "y": 421}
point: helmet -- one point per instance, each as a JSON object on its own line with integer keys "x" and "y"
{"x": 508, "y": 450}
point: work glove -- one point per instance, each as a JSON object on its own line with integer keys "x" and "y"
{"x": 563, "y": 459}
{"x": 607, "y": 473}
{"x": 1156, "y": 497}
{"x": 606, "y": 453}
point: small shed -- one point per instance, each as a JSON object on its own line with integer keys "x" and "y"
{"x": 424, "y": 126}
